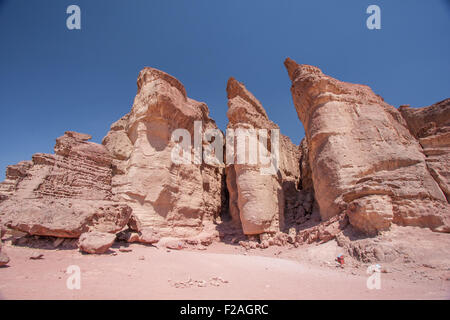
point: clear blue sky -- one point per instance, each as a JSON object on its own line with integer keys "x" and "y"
{"x": 53, "y": 79}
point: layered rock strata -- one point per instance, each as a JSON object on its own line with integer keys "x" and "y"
{"x": 63, "y": 194}
{"x": 431, "y": 126}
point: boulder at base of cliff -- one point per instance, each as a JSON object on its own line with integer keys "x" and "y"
{"x": 96, "y": 242}
{"x": 4, "y": 259}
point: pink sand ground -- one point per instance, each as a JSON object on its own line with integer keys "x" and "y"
{"x": 274, "y": 273}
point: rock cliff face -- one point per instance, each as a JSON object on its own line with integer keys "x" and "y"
{"x": 364, "y": 161}
{"x": 431, "y": 126}
{"x": 172, "y": 199}
{"x": 63, "y": 194}
{"x": 258, "y": 199}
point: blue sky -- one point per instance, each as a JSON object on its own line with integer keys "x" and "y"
{"x": 53, "y": 79}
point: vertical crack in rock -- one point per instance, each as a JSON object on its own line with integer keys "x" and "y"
{"x": 364, "y": 161}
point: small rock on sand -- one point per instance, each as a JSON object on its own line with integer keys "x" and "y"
{"x": 4, "y": 259}
{"x": 36, "y": 256}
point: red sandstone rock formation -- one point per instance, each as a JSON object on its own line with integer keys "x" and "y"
{"x": 63, "y": 194}
{"x": 363, "y": 159}
{"x": 360, "y": 158}
{"x": 172, "y": 199}
{"x": 257, "y": 200}
{"x": 431, "y": 126}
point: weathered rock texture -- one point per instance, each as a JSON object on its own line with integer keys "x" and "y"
{"x": 63, "y": 194}
{"x": 431, "y": 126}
{"x": 364, "y": 161}
{"x": 173, "y": 199}
{"x": 96, "y": 242}
{"x": 257, "y": 200}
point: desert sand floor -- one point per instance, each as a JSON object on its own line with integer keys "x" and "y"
{"x": 157, "y": 273}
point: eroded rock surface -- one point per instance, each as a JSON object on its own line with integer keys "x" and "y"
{"x": 63, "y": 194}
{"x": 258, "y": 199}
{"x": 96, "y": 242}
{"x": 174, "y": 199}
{"x": 400, "y": 244}
{"x": 361, "y": 158}
{"x": 364, "y": 161}
{"x": 431, "y": 126}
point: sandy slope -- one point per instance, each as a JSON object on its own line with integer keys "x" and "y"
{"x": 258, "y": 274}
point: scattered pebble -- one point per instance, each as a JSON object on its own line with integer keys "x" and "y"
{"x": 36, "y": 256}
{"x": 201, "y": 283}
